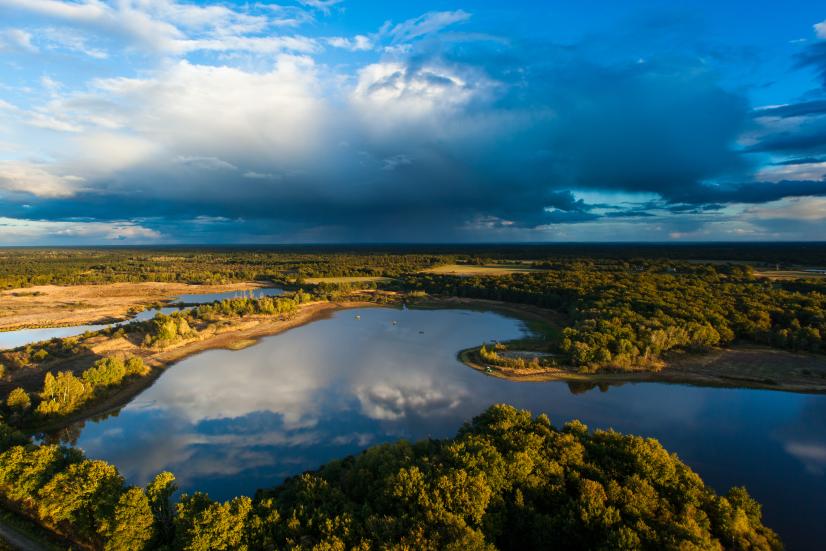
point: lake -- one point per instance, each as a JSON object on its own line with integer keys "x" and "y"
{"x": 228, "y": 422}
{"x": 22, "y": 337}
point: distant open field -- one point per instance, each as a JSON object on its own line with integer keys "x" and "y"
{"x": 57, "y": 305}
{"x": 788, "y": 274}
{"x": 353, "y": 279}
{"x": 486, "y": 269}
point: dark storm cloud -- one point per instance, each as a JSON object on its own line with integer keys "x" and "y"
{"x": 800, "y": 161}
{"x": 817, "y": 107}
{"x": 808, "y": 133}
{"x": 689, "y": 208}
{"x": 712, "y": 197}
{"x": 646, "y": 127}
{"x": 814, "y": 57}
{"x": 539, "y": 121}
{"x": 808, "y": 137}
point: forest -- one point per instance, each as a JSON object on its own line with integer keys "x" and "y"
{"x": 627, "y": 315}
{"x": 507, "y": 480}
{"x": 29, "y": 266}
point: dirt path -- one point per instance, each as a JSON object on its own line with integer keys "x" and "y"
{"x": 18, "y": 540}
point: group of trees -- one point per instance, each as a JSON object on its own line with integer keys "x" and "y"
{"x": 83, "y": 500}
{"x": 165, "y": 329}
{"x": 36, "y": 353}
{"x": 506, "y": 481}
{"x": 493, "y": 356}
{"x": 65, "y": 392}
{"x": 625, "y": 315}
{"x": 247, "y": 306}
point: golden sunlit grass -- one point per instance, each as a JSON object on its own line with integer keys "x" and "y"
{"x": 352, "y": 279}
{"x": 486, "y": 269}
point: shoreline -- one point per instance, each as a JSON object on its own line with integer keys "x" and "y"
{"x": 161, "y": 360}
{"x": 247, "y": 333}
{"x": 684, "y": 371}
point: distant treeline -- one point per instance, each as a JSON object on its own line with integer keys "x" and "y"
{"x": 22, "y": 267}
{"x": 28, "y": 267}
{"x": 507, "y": 481}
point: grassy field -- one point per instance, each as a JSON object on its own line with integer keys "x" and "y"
{"x": 353, "y": 279}
{"x": 57, "y": 305}
{"x": 476, "y": 270}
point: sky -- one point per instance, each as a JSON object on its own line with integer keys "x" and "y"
{"x": 318, "y": 121}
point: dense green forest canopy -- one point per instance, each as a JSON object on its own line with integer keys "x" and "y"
{"x": 506, "y": 481}
{"x": 625, "y": 314}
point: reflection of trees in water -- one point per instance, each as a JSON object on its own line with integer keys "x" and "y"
{"x": 69, "y": 434}
{"x": 581, "y": 387}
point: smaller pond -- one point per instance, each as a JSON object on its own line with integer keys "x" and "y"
{"x": 22, "y": 337}
{"x": 206, "y": 298}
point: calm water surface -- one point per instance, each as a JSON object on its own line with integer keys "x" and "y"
{"x": 230, "y": 422}
{"x": 22, "y": 337}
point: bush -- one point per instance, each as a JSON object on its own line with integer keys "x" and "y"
{"x": 18, "y": 400}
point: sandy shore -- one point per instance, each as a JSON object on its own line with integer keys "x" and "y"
{"x": 60, "y": 306}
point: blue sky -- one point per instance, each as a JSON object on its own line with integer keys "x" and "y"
{"x": 163, "y": 121}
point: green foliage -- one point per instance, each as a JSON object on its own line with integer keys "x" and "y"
{"x": 84, "y": 496}
{"x": 18, "y": 400}
{"x": 627, "y": 315}
{"x": 25, "y": 470}
{"x": 511, "y": 481}
{"x": 507, "y": 481}
{"x": 166, "y": 329}
{"x": 61, "y": 394}
{"x": 27, "y": 267}
{"x": 204, "y": 525}
{"x": 159, "y": 492}
{"x": 132, "y": 525}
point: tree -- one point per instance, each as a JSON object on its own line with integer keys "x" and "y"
{"x": 159, "y": 492}
{"x": 84, "y": 495}
{"x": 61, "y": 394}
{"x": 204, "y": 525}
{"x": 131, "y": 527}
{"x": 135, "y": 366}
